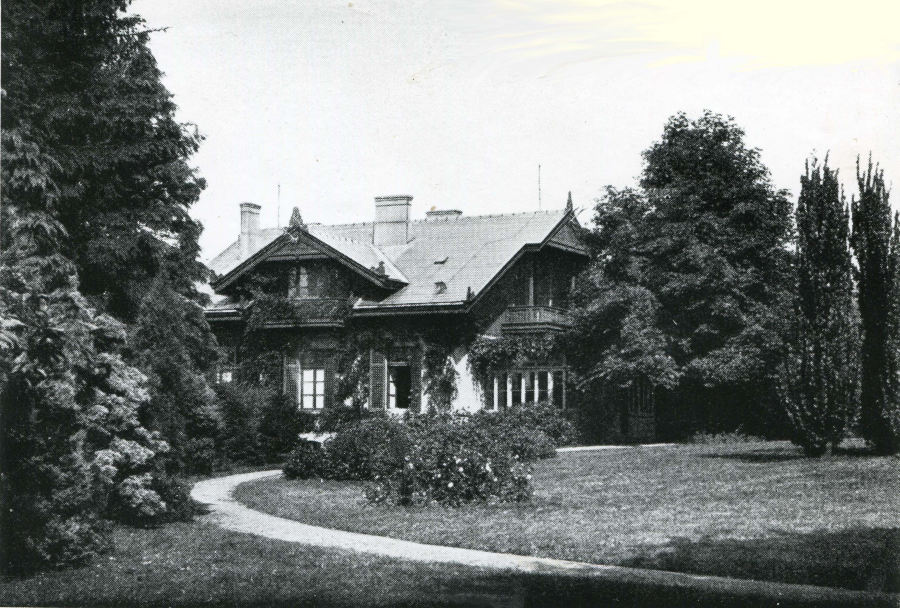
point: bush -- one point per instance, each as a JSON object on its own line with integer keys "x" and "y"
{"x": 305, "y": 461}
{"x": 453, "y": 461}
{"x": 533, "y": 432}
{"x": 176, "y": 493}
{"x": 338, "y": 417}
{"x": 528, "y": 444}
{"x": 280, "y": 425}
{"x": 241, "y": 406}
{"x": 366, "y": 450}
{"x": 200, "y": 455}
{"x": 738, "y": 436}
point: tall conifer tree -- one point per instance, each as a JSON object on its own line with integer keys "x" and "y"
{"x": 81, "y": 83}
{"x": 871, "y": 240}
{"x": 822, "y": 366}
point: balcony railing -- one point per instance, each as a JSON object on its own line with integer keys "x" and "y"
{"x": 521, "y": 319}
{"x": 324, "y": 312}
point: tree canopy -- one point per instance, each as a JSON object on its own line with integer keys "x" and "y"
{"x": 81, "y": 84}
{"x": 692, "y": 272}
{"x": 96, "y": 190}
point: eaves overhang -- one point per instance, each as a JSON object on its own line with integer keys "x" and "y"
{"x": 379, "y": 279}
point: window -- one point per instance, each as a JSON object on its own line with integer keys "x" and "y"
{"x": 312, "y": 280}
{"x": 524, "y": 387}
{"x": 312, "y": 388}
{"x": 307, "y": 377}
{"x": 516, "y": 389}
{"x": 226, "y": 369}
{"x": 399, "y": 387}
{"x": 303, "y": 283}
{"x": 542, "y": 378}
{"x": 501, "y": 390}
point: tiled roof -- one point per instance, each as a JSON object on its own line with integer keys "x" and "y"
{"x": 463, "y": 253}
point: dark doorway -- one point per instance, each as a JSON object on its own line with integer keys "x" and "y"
{"x": 400, "y": 389}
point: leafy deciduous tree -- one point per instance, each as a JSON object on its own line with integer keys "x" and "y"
{"x": 696, "y": 264}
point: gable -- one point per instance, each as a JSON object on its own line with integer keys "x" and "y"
{"x": 298, "y": 244}
{"x": 568, "y": 239}
{"x": 290, "y": 249}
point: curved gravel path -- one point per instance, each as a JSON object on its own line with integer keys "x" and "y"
{"x": 226, "y": 512}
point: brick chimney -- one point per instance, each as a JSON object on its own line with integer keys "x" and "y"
{"x": 249, "y": 229}
{"x": 391, "y": 220}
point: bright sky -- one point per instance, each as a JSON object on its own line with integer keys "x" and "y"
{"x": 458, "y": 102}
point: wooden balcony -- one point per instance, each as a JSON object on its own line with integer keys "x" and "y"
{"x": 529, "y": 319}
{"x": 323, "y": 312}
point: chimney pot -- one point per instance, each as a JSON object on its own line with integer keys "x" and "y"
{"x": 249, "y": 236}
{"x": 391, "y": 220}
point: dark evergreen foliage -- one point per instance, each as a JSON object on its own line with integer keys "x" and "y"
{"x": 80, "y": 82}
{"x": 94, "y": 218}
{"x": 879, "y": 420}
{"x": 821, "y": 366}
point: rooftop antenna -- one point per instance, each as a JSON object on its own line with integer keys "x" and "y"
{"x": 539, "y": 187}
{"x": 278, "y": 208}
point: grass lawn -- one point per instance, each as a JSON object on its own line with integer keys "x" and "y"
{"x": 757, "y": 510}
{"x": 197, "y": 564}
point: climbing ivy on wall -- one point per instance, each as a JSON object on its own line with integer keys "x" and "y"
{"x": 263, "y": 349}
{"x": 487, "y": 355}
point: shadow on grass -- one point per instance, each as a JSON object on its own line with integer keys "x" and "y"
{"x": 790, "y": 453}
{"x": 757, "y": 456}
{"x": 861, "y": 559}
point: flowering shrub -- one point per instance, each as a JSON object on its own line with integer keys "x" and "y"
{"x": 305, "y": 461}
{"x": 453, "y": 461}
{"x": 366, "y": 450}
{"x": 532, "y": 431}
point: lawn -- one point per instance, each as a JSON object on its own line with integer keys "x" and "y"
{"x": 198, "y": 564}
{"x": 756, "y": 510}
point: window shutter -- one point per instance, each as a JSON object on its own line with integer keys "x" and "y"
{"x": 415, "y": 371}
{"x": 291, "y": 373}
{"x": 330, "y": 383}
{"x": 377, "y": 380}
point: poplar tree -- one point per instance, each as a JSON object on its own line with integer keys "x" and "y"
{"x": 871, "y": 241}
{"x": 822, "y": 367}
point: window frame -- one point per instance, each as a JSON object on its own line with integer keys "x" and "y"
{"x": 505, "y": 386}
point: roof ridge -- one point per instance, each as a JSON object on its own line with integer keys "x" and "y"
{"x": 458, "y": 218}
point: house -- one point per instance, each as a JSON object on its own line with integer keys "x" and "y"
{"x": 436, "y": 287}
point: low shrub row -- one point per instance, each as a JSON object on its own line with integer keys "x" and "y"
{"x": 452, "y": 461}
{"x": 444, "y": 458}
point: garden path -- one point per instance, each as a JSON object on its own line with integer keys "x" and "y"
{"x": 225, "y": 511}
